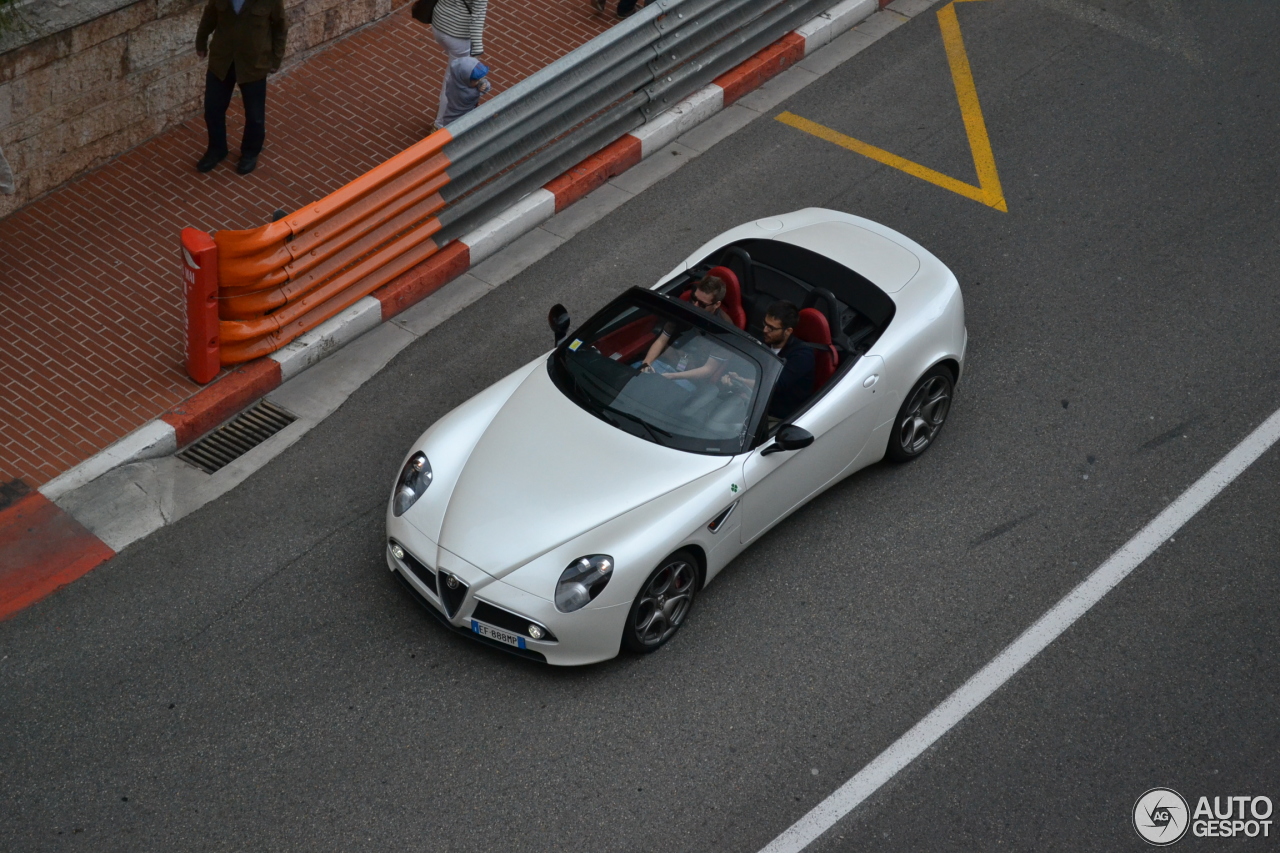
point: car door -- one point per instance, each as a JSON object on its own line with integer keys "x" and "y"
{"x": 841, "y": 423}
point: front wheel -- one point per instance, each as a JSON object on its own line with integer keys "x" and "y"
{"x": 922, "y": 415}
{"x": 662, "y": 605}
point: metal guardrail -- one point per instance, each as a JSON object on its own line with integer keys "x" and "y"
{"x": 280, "y": 280}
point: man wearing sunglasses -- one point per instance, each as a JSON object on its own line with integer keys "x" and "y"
{"x": 708, "y": 294}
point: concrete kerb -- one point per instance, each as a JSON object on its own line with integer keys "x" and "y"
{"x": 698, "y": 122}
{"x": 151, "y": 440}
{"x": 525, "y": 215}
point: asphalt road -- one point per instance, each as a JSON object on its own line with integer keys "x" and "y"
{"x": 252, "y": 677}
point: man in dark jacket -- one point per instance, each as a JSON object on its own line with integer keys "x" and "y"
{"x": 248, "y": 44}
{"x": 795, "y": 383}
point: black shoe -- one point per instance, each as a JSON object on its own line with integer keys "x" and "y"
{"x": 210, "y": 159}
{"x": 626, "y": 14}
{"x": 248, "y": 162}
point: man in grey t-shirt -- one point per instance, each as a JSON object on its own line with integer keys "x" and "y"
{"x": 708, "y": 294}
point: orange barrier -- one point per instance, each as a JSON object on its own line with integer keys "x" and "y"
{"x": 200, "y": 282}
{"x": 281, "y": 280}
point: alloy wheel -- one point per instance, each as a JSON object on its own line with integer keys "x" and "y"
{"x": 664, "y": 602}
{"x": 924, "y": 415}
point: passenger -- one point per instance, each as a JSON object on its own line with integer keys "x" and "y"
{"x": 795, "y": 383}
{"x": 708, "y": 294}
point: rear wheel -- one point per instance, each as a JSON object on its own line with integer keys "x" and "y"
{"x": 922, "y": 415}
{"x": 663, "y": 603}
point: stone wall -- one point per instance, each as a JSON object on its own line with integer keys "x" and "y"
{"x": 76, "y": 93}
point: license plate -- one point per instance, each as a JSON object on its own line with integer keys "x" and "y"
{"x": 494, "y": 634}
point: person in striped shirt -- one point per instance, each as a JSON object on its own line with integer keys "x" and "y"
{"x": 458, "y": 26}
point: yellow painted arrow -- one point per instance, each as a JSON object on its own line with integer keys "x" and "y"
{"x": 988, "y": 190}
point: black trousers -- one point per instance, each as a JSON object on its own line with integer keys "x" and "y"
{"x": 217, "y": 97}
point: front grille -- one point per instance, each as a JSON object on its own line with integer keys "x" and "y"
{"x": 499, "y": 618}
{"x": 237, "y": 437}
{"x": 421, "y": 572}
{"x": 466, "y": 632}
{"x": 450, "y": 596}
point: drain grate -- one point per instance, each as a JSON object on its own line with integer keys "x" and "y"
{"x": 237, "y": 437}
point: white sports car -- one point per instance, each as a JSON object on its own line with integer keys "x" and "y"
{"x": 577, "y": 506}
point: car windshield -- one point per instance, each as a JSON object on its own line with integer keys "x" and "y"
{"x": 699, "y": 395}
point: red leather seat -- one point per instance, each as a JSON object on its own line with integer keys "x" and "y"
{"x": 814, "y": 329}
{"x": 629, "y": 343}
{"x": 732, "y": 304}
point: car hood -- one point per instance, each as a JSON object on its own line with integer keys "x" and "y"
{"x": 545, "y": 471}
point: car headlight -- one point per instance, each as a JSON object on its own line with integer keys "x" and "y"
{"x": 583, "y": 581}
{"x": 413, "y": 481}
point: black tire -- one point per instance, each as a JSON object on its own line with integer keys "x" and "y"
{"x": 922, "y": 415}
{"x": 662, "y": 604}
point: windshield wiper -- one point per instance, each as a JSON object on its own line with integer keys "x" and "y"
{"x": 653, "y": 431}
{"x": 603, "y": 410}
{"x": 591, "y": 404}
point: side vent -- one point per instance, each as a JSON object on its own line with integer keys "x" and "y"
{"x": 719, "y": 520}
{"x": 237, "y": 437}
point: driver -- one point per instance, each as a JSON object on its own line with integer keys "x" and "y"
{"x": 708, "y": 294}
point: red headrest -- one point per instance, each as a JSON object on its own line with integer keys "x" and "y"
{"x": 732, "y": 295}
{"x": 813, "y": 327}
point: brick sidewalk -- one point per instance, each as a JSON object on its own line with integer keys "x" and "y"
{"x": 91, "y": 325}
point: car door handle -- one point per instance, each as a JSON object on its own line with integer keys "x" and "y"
{"x": 870, "y": 380}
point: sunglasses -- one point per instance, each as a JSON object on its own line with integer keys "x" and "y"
{"x": 698, "y": 301}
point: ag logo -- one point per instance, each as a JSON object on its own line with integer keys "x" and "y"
{"x": 1160, "y": 816}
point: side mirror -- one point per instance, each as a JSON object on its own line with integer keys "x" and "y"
{"x": 558, "y": 320}
{"x": 790, "y": 437}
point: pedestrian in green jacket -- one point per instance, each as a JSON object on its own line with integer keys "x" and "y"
{"x": 248, "y": 44}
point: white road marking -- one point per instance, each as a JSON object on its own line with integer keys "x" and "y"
{"x": 1034, "y": 640}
